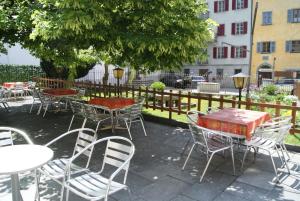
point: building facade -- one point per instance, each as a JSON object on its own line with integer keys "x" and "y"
{"x": 276, "y": 38}
{"x": 228, "y": 54}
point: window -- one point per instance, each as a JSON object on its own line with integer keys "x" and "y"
{"x": 236, "y": 71}
{"x": 221, "y": 6}
{"x": 220, "y": 52}
{"x": 239, "y": 4}
{"x": 238, "y": 51}
{"x": 239, "y": 28}
{"x": 294, "y": 15}
{"x": 203, "y": 71}
{"x": 265, "y": 47}
{"x": 293, "y": 46}
{"x": 267, "y": 18}
{"x": 221, "y": 30}
{"x": 220, "y": 73}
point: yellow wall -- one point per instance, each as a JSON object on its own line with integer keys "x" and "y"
{"x": 280, "y": 31}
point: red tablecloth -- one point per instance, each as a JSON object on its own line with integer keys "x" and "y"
{"x": 9, "y": 85}
{"x": 60, "y": 92}
{"x": 112, "y": 103}
{"x": 236, "y": 121}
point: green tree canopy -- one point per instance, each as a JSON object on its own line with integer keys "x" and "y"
{"x": 147, "y": 35}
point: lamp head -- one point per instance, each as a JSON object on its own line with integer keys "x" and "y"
{"x": 118, "y": 72}
{"x": 240, "y": 80}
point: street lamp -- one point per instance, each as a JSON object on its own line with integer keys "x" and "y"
{"x": 240, "y": 81}
{"x": 118, "y": 74}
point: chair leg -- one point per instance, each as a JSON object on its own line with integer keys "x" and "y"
{"x": 245, "y": 154}
{"x": 275, "y": 169}
{"x": 71, "y": 122}
{"x": 97, "y": 126}
{"x": 211, "y": 156}
{"x": 143, "y": 126}
{"x": 37, "y": 181}
{"x": 128, "y": 128}
{"x": 31, "y": 107}
{"x": 192, "y": 148}
{"x": 62, "y": 193}
{"x": 285, "y": 160}
{"x": 286, "y": 151}
{"x": 46, "y": 108}
{"x": 129, "y": 193}
{"x": 40, "y": 108}
{"x": 232, "y": 156}
{"x": 84, "y": 122}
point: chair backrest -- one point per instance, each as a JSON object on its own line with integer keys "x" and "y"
{"x": 118, "y": 151}
{"x": 275, "y": 133}
{"x": 135, "y": 110}
{"x": 7, "y": 133}
{"x": 198, "y": 134}
{"x": 193, "y": 115}
{"x": 90, "y": 112}
{"x": 19, "y": 86}
{"x": 77, "y": 107}
{"x": 85, "y": 138}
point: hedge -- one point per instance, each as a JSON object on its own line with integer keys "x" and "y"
{"x": 21, "y": 73}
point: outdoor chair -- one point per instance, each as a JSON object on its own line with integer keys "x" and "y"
{"x": 193, "y": 115}
{"x": 3, "y": 100}
{"x": 35, "y": 98}
{"x": 210, "y": 142}
{"x": 45, "y": 102}
{"x": 78, "y": 111}
{"x": 93, "y": 184}
{"x": 92, "y": 114}
{"x": 268, "y": 140}
{"x": 56, "y": 168}
{"x": 132, "y": 114}
{"x": 18, "y": 89}
{"x": 8, "y": 137}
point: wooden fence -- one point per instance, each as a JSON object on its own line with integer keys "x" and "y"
{"x": 171, "y": 101}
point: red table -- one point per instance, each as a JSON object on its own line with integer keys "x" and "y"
{"x": 236, "y": 121}
{"x": 112, "y": 103}
{"x": 60, "y": 92}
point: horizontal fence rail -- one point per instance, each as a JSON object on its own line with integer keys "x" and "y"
{"x": 173, "y": 101}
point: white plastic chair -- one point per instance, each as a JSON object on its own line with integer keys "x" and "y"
{"x": 45, "y": 102}
{"x": 18, "y": 89}
{"x": 131, "y": 114}
{"x": 55, "y": 169}
{"x": 211, "y": 142}
{"x": 267, "y": 140}
{"x": 93, "y": 185}
{"x": 3, "y": 100}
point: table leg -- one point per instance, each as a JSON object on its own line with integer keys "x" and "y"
{"x": 15, "y": 186}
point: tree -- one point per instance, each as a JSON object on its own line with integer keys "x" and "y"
{"x": 146, "y": 35}
{"x": 59, "y": 56}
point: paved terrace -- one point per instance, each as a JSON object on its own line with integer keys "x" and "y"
{"x": 155, "y": 172}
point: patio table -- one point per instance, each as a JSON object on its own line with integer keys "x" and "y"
{"x": 112, "y": 105}
{"x": 238, "y": 122}
{"x": 60, "y": 92}
{"x": 21, "y": 158}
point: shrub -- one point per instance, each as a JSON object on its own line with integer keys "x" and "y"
{"x": 290, "y": 99}
{"x": 270, "y": 90}
{"x": 158, "y": 86}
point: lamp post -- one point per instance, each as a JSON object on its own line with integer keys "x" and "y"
{"x": 240, "y": 81}
{"x": 118, "y": 74}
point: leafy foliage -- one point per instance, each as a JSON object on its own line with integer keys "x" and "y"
{"x": 13, "y": 73}
{"x": 270, "y": 89}
{"x": 159, "y": 86}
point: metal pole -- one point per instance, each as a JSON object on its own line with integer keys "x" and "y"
{"x": 251, "y": 43}
{"x": 118, "y": 83}
{"x": 240, "y": 97}
{"x": 273, "y": 71}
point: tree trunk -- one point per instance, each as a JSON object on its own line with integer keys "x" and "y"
{"x": 106, "y": 74}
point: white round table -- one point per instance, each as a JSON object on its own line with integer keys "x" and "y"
{"x": 21, "y": 158}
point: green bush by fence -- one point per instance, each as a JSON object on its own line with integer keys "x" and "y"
{"x": 13, "y": 73}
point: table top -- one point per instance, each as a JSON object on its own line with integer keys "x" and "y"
{"x": 234, "y": 115}
{"x": 112, "y": 102}
{"x": 21, "y": 158}
{"x": 60, "y": 92}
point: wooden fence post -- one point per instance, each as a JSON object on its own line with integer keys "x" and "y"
{"x": 233, "y": 101}
{"x": 277, "y": 109}
{"x": 179, "y": 102}
{"x": 146, "y": 97}
{"x": 198, "y": 102}
{"x": 189, "y": 101}
{"x": 154, "y": 99}
{"x": 248, "y": 104}
{"x": 209, "y": 101}
{"x": 262, "y": 107}
{"x": 221, "y": 102}
{"x": 162, "y": 100}
{"x": 170, "y": 104}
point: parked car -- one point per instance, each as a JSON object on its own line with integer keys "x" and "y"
{"x": 286, "y": 85}
{"x": 177, "y": 81}
{"x": 196, "y": 79}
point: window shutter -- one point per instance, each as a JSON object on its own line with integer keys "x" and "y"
{"x": 244, "y": 51}
{"x": 226, "y": 5}
{"x": 245, "y": 27}
{"x": 216, "y": 6}
{"x": 233, "y": 4}
{"x": 272, "y": 46}
{"x": 225, "y": 52}
{"x": 245, "y": 3}
{"x": 270, "y": 18}
{"x": 258, "y": 47}
{"x": 290, "y": 15}
{"x": 288, "y": 46}
{"x": 214, "y": 52}
{"x": 221, "y": 30}
{"x": 232, "y": 51}
{"x": 233, "y": 28}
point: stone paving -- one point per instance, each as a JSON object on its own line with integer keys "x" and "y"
{"x": 155, "y": 172}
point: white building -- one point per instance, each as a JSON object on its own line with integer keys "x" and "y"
{"x": 16, "y": 55}
{"x": 229, "y": 53}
